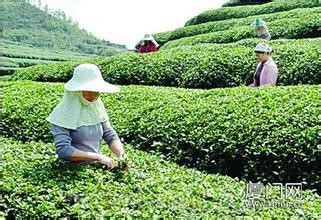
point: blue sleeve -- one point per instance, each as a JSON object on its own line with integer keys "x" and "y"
{"x": 109, "y": 134}
{"x": 62, "y": 141}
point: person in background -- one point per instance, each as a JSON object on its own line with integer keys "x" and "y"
{"x": 149, "y": 44}
{"x": 80, "y": 121}
{"x": 261, "y": 29}
{"x": 266, "y": 72}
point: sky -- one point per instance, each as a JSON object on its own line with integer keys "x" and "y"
{"x": 126, "y": 21}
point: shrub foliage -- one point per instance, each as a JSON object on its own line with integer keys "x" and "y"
{"x": 294, "y": 27}
{"x": 202, "y": 66}
{"x": 223, "y": 25}
{"x": 270, "y": 134}
{"x": 245, "y": 11}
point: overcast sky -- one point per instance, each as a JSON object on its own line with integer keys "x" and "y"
{"x": 126, "y": 21}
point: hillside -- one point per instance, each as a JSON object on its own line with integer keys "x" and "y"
{"x": 25, "y": 23}
{"x": 235, "y": 29}
{"x": 28, "y": 29}
{"x": 235, "y": 23}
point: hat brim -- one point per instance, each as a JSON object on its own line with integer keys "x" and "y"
{"x": 92, "y": 86}
{"x": 260, "y": 51}
{"x": 257, "y": 23}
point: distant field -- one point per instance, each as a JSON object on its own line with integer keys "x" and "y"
{"x": 15, "y": 56}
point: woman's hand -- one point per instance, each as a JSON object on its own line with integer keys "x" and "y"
{"x": 122, "y": 157}
{"x": 123, "y": 161}
{"x": 106, "y": 161}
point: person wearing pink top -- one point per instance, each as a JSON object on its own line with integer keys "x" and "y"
{"x": 266, "y": 73}
{"x": 149, "y": 45}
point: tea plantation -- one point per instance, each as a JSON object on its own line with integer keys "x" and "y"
{"x": 16, "y": 56}
{"x": 194, "y": 149}
{"x": 245, "y": 11}
{"x": 204, "y": 66}
{"x": 35, "y": 183}
{"x": 207, "y": 130}
{"x": 234, "y": 26}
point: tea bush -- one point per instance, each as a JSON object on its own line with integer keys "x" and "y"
{"x": 245, "y": 11}
{"x": 35, "y": 184}
{"x": 266, "y": 134}
{"x": 203, "y": 66}
{"x": 295, "y": 27}
{"x": 215, "y": 26}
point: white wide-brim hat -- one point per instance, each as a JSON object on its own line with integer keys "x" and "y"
{"x": 263, "y": 48}
{"x": 87, "y": 77}
{"x": 148, "y": 37}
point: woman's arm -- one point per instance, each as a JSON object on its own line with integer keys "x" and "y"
{"x": 117, "y": 148}
{"x": 79, "y": 155}
{"x": 112, "y": 139}
{"x": 66, "y": 151}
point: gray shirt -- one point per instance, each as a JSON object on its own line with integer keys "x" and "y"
{"x": 84, "y": 138}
